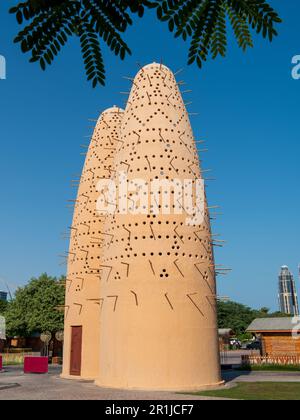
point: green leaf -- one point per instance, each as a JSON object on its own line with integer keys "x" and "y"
{"x": 19, "y": 17}
{"x": 42, "y": 64}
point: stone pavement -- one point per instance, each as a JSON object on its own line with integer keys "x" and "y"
{"x": 14, "y": 385}
{"x": 232, "y": 377}
{"x": 52, "y": 387}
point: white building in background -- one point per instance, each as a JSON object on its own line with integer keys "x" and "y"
{"x": 288, "y": 298}
{"x": 3, "y": 296}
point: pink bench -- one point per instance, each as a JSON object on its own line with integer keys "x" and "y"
{"x": 34, "y": 364}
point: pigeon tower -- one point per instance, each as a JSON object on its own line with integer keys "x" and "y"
{"x": 142, "y": 277}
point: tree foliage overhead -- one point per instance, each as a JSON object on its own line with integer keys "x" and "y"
{"x": 48, "y": 24}
{"x": 33, "y": 308}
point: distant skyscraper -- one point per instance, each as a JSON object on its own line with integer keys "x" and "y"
{"x": 3, "y": 296}
{"x": 288, "y": 299}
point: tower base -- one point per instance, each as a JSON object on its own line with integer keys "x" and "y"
{"x": 192, "y": 388}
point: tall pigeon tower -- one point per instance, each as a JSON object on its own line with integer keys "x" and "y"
{"x": 158, "y": 321}
{"x": 82, "y": 307}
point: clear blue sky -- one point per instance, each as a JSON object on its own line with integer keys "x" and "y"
{"x": 249, "y": 109}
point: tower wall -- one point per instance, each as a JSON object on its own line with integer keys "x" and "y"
{"x": 158, "y": 327}
{"x": 85, "y": 254}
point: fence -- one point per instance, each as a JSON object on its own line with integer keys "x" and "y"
{"x": 270, "y": 360}
{"x": 15, "y": 358}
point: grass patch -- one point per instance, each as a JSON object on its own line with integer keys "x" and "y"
{"x": 254, "y": 391}
{"x": 273, "y": 368}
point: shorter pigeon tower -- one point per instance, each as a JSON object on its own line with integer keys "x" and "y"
{"x": 82, "y": 307}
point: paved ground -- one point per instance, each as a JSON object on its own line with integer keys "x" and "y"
{"x": 52, "y": 387}
{"x": 234, "y": 376}
{"x": 14, "y": 385}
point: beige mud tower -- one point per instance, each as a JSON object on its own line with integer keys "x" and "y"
{"x": 82, "y": 313}
{"x": 158, "y": 326}
{"x": 156, "y": 314}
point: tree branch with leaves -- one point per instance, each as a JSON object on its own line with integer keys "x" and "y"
{"x": 48, "y": 24}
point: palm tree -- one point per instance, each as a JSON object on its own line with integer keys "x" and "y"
{"x": 47, "y": 25}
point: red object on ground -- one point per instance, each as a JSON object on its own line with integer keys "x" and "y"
{"x": 0, "y": 363}
{"x": 35, "y": 364}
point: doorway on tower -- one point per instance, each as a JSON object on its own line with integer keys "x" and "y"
{"x": 76, "y": 350}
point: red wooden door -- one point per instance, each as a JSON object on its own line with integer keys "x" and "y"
{"x": 76, "y": 350}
